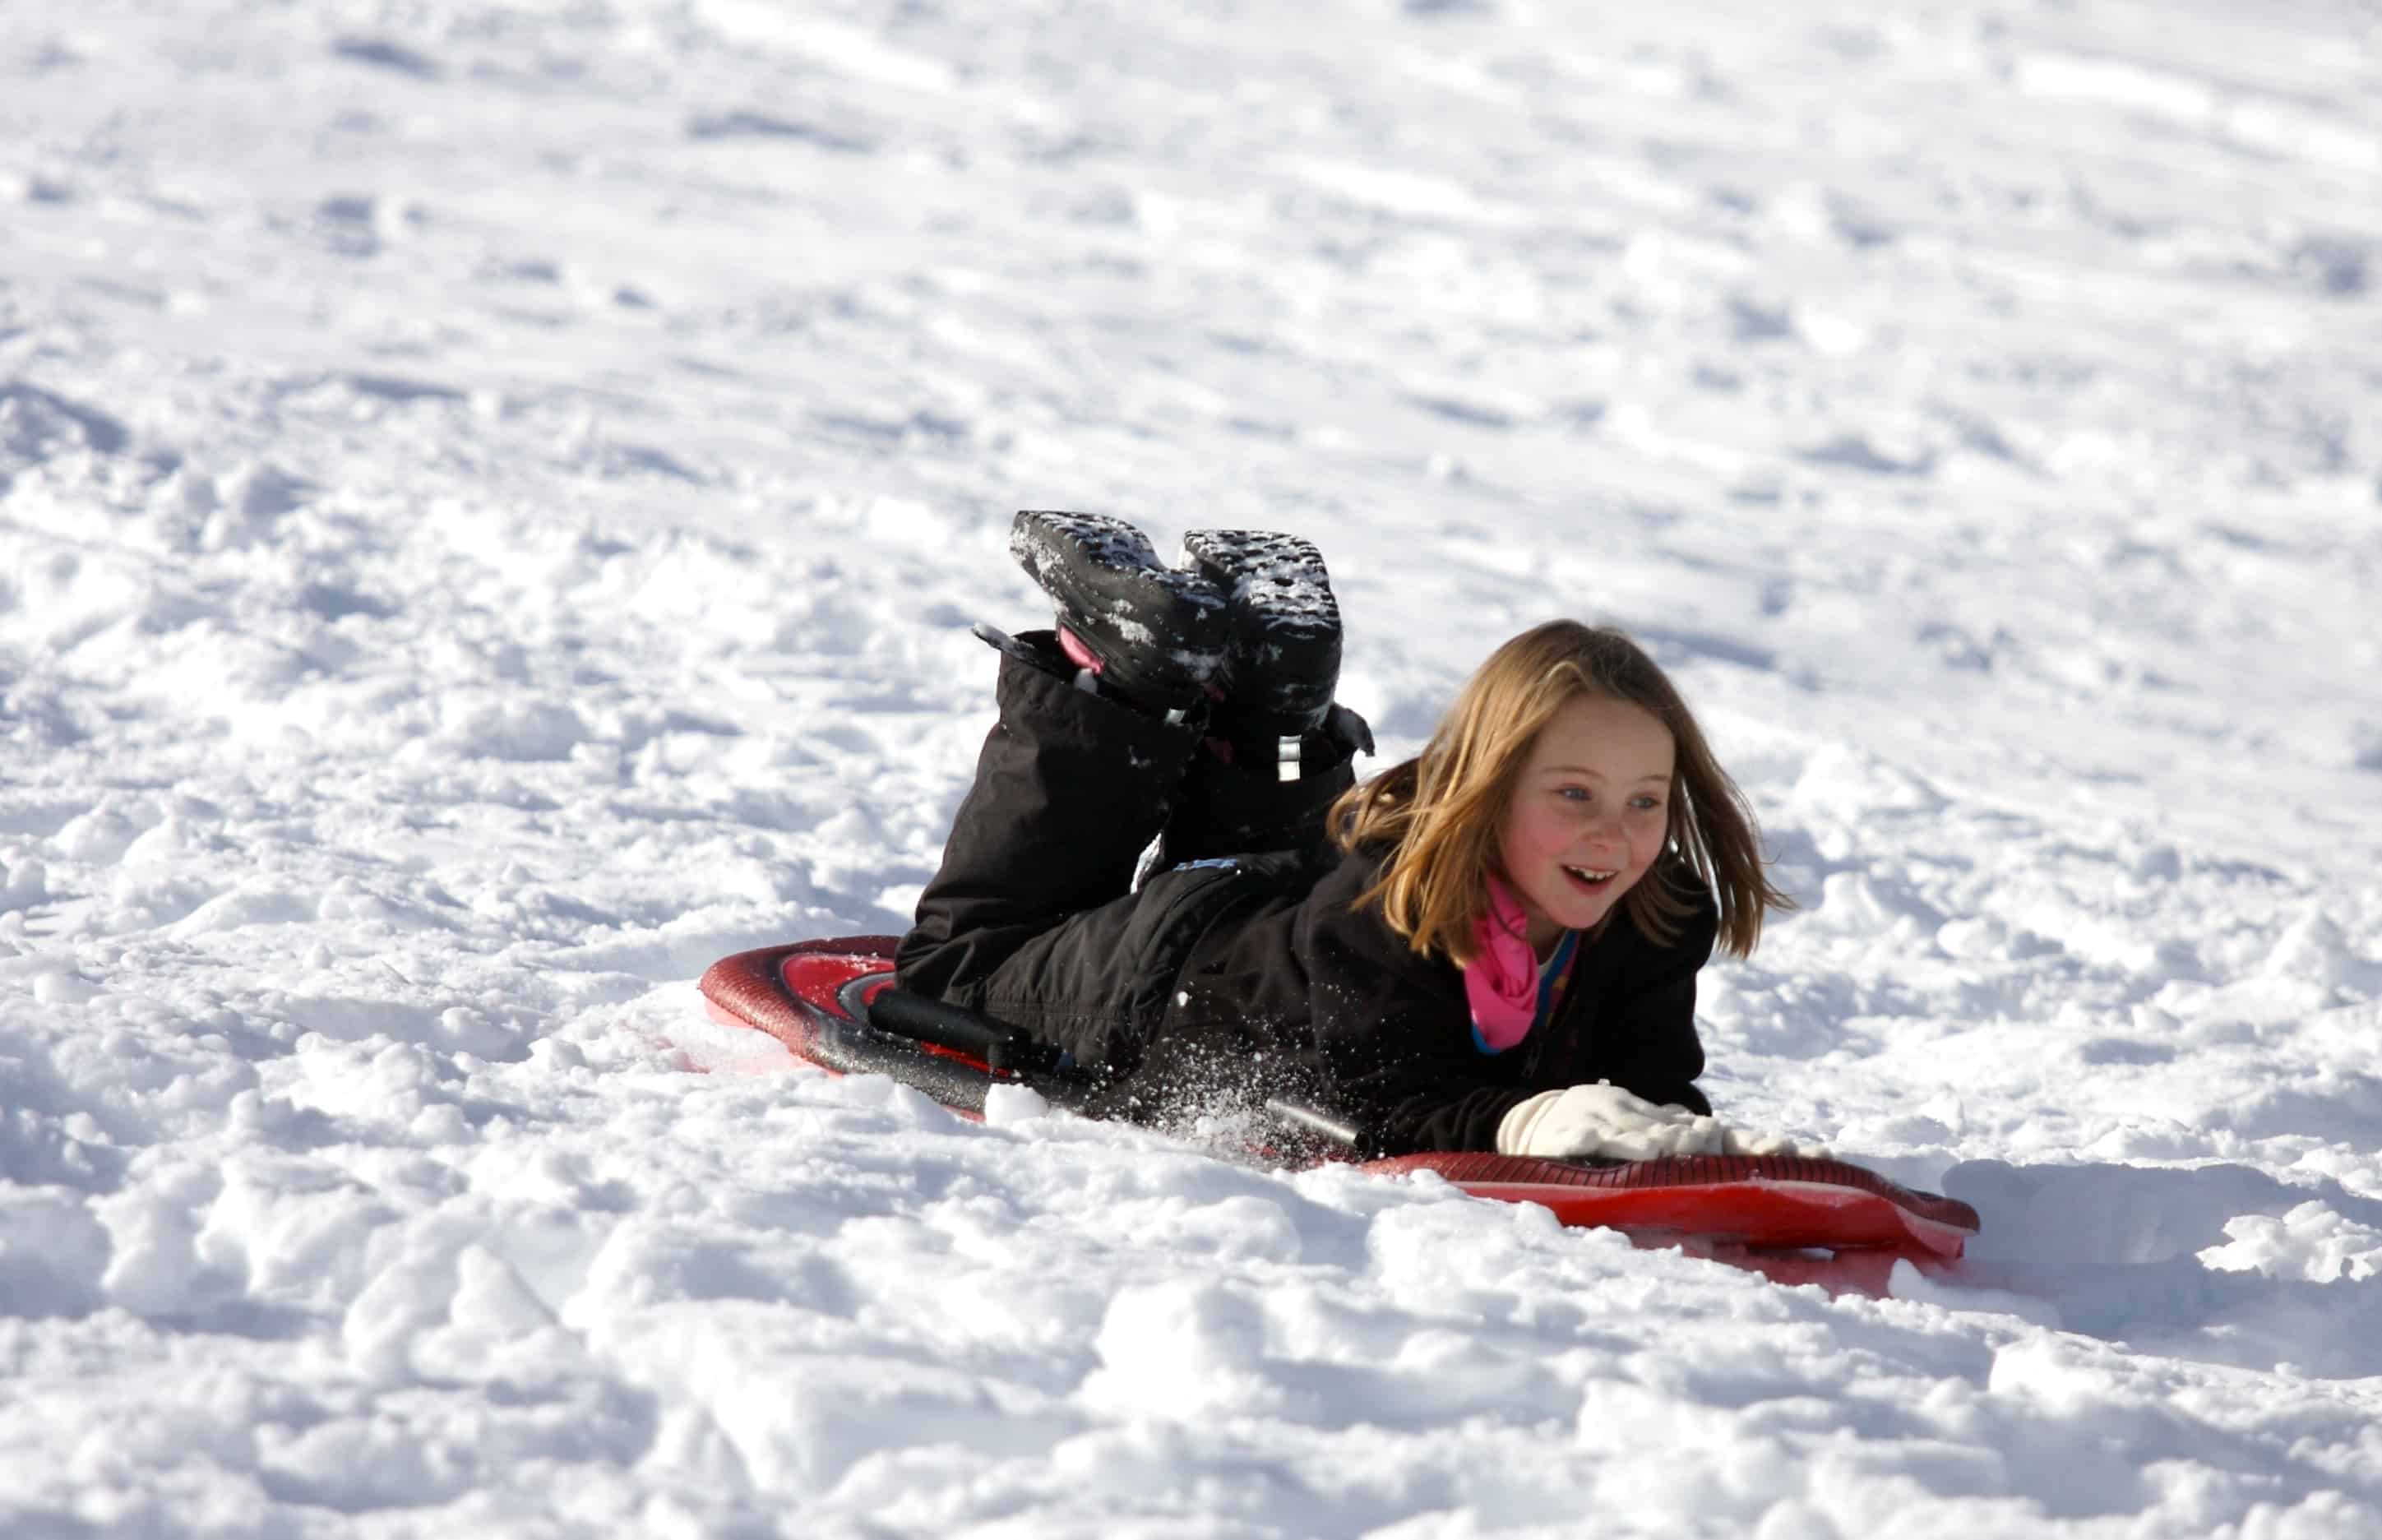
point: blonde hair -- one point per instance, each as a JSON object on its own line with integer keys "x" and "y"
{"x": 1440, "y": 813}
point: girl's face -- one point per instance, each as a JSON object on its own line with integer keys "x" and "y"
{"x": 1589, "y": 814}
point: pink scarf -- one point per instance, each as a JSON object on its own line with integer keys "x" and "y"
{"x": 1502, "y": 980}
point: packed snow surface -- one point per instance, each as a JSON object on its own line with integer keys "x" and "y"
{"x": 492, "y": 500}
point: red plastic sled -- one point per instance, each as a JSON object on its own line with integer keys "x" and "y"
{"x": 1764, "y": 1213}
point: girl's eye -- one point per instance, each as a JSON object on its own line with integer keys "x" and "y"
{"x": 1572, "y": 794}
{"x": 1646, "y": 803}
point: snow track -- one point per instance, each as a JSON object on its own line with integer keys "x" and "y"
{"x": 491, "y": 504}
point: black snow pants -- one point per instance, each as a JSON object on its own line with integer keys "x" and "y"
{"x": 1033, "y": 917}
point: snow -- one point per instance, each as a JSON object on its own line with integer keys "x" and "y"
{"x": 492, "y": 501}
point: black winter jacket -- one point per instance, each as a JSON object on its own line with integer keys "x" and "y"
{"x": 1392, "y": 1032}
{"x": 1228, "y": 976}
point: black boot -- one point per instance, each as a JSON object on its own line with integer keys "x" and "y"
{"x": 1282, "y": 661}
{"x": 1154, "y": 635}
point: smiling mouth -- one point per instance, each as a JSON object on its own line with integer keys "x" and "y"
{"x": 1593, "y": 878}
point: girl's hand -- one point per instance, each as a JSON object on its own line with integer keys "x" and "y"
{"x": 1604, "y": 1122}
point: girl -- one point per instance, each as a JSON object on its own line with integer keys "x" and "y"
{"x": 1490, "y": 946}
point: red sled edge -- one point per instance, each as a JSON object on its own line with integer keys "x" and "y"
{"x": 1748, "y": 1210}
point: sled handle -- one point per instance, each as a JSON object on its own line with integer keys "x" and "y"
{"x": 1311, "y": 1120}
{"x": 922, "y": 1018}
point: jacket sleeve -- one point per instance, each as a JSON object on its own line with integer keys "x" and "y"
{"x": 1394, "y": 1032}
{"x": 1643, "y": 1036}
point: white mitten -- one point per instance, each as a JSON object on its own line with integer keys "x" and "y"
{"x": 1603, "y": 1122}
{"x": 1745, "y": 1141}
